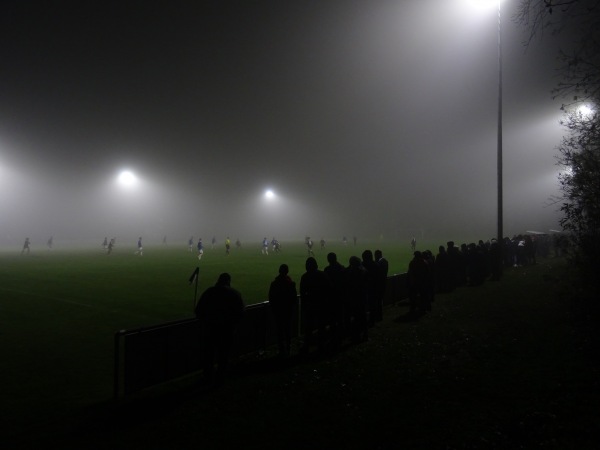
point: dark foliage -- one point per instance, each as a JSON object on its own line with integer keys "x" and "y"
{"x": 578, "y": 21}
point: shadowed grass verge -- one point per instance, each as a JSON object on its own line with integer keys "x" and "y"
{"x": 495, "y": 366}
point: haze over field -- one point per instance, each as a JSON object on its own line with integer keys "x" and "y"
{"x": 364, "y": 118}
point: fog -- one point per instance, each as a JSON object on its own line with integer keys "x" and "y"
{"x": 372, "y": 119}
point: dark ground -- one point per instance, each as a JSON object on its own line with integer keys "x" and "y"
{"x": 506, "y": 365}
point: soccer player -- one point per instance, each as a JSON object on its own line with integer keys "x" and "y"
{"x": 25, "y": 246}
{"x": 309, "y": 246}
{"x": 111, "y": 244}
{"x": 265, "y": 246}
{"x": 200, "y": 248}
{"x": 139, "y": 245}
{"x": 227, "y": 245}
{"x": 276, "y": 246}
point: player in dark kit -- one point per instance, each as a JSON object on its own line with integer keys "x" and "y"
{"x": 25, "y": 246}
{"x": 139, "y": 246}
{"x": 200, "y": 247}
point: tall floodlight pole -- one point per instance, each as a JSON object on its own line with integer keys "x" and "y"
{"x": 499, "y": 164}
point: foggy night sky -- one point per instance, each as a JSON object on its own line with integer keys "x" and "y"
{"x": 364, "y": 117}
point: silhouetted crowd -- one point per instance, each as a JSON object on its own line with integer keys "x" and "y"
{"x": 339, "y": 304}
{"x": 467, "y": 265}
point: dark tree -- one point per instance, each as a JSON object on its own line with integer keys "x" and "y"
{"x": 579, "y": 87}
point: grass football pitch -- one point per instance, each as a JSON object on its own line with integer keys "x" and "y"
{"x": 60, "y": 309}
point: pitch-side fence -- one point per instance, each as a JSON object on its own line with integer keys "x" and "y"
{"x": 148, "y": 356}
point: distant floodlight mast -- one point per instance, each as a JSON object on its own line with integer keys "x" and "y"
{"x": 269, "y": 194}
{"x": 500, "y": 231}
{"x": 499, "y": 155}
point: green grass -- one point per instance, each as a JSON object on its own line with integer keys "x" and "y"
{"x": 59, "y": 311}
{"x": 497, "y": 366}
{"x": 157, "y": 283}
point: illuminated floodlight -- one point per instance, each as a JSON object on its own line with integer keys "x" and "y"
{"x": 269, "y": 194}
{"x": 127, "y": 178}
{"x": 483, "y": 4}
{"x": 585, "y": 110}
{"x": 477, "y": 9}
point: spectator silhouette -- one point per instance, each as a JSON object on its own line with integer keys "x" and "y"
{"x": 443, "y": 271}
{"x": 531, "y": 249}
{"x": 356, "y": 296}
{"x": 476, "y": 265}
{"x": 462, "y": 274}
{"x": 417, "y": 285}
{"x": 219, "y": 311}
{"x": 430, "y": 284}
{"x": 455, "y": 259}
{"x": 336, "y": 314}
{"x": 382, "y": 262}
{"x": 383, "y": 267}
{"x": 495, "y": 260}
{"x": 484, "y": 249}
{"x": 372, "y": 286}
{"x": 314, "y": 293}
{"x": 282, "y": 300}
